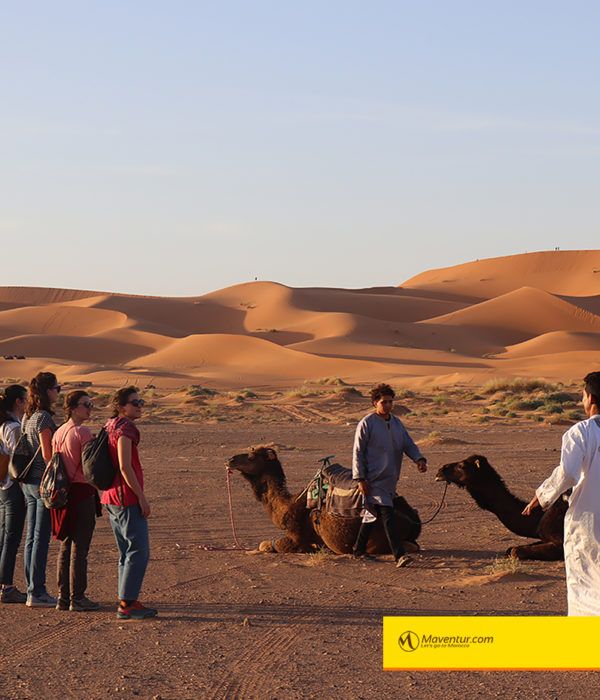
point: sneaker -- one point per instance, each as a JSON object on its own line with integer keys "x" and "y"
{"x": 12, "y": 595}
{"x": 43, "y": 601}
{"x": 83, "y": 604}
{"x": 404, "y": 560}
{"x": 62, "y": 604}
{"x": 135, "y": 611}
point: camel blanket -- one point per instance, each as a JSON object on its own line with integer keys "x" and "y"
{"x": 579, "y": 468}
{"x": 334, "y": 488}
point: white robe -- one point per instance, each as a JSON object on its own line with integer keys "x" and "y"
{"x": 579, "y": 469}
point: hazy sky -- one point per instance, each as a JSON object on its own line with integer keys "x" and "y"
{"x": 179, "y": 147}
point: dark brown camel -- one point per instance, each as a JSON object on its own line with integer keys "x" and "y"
{"x": 489, "y": 491}
{"x": 305, "y": 529}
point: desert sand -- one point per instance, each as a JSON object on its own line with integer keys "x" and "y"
{"x": 534, "y": 314}
{"x": 488, "y": 359}
{"x": 265, "y": 626}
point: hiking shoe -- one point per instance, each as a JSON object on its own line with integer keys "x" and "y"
{"x": 43, "y": 601}
{"x": 83, "y": 604}
{"x": 12, "y": 595}
{"x": 403, "y": 561}
{"x": 62, "y": 604}
{"x": 135, "y": 611}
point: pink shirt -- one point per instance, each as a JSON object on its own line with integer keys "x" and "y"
{"x": 69, "y": 440}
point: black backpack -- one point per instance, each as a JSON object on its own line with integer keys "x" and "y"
{"x": 98, "y": 466}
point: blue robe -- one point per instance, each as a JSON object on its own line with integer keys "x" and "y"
{"x": 379, "y": 447}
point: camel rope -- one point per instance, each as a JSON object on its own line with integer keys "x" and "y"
{"x": 425, "y": 522}
{"x": 237, "y": 544}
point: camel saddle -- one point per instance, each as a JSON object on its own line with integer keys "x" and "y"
{"x": 334, "y": 488}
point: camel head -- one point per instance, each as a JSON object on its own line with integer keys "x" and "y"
{"x": 261, "y": 467}
{"x": 467, "y": 472}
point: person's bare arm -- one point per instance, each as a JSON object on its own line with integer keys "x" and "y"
{"x": 46, "y": 444}
{"x": 126, "y": 467}
{"x": 531, "y": 506}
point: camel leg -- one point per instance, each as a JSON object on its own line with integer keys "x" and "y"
{"x": 283, "y": 545}
{"x": 540, "y": 551}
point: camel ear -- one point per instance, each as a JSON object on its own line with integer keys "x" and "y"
{"x": 477, "y": 464}
{"x": 271, "y": 454}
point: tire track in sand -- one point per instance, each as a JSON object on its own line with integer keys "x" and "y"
{"x": 246, "y": 677}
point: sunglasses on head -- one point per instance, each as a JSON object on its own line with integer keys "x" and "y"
{"x": 138, "y": 403}
{"x": 87, "y": 404}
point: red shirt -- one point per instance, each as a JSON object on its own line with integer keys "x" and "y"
{"x": 116, "y": 428}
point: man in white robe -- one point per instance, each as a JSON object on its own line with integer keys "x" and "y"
{"x": 579, "y": 469}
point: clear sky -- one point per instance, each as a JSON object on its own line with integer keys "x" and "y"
{"x": 179, "y": 147}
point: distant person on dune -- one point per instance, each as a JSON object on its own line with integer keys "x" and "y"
{"x": 380, "y": 442}
{"x": 579, "y": 469}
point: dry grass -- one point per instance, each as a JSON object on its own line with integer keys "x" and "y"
{"x": 318, "y": 558}
{"x": 507, "y": 565}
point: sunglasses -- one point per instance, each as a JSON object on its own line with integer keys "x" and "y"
{"x": 138, "y": 403}
{"x": 57, "y": 388}
{"x": 87, "y": 404}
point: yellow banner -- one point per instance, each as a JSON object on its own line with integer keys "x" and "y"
{"x": 491, "y": 643}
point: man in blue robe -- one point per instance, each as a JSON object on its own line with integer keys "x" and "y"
{"x": 380, "y": 442}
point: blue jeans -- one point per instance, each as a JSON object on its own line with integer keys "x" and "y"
{"x": 131, "y": 534}
{"x": 37, "y": 540}
{"x": 12, "y": 520}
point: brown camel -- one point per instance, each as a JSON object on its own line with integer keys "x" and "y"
{"x": 306, "y": 529}
{"x": 489, "y": 491}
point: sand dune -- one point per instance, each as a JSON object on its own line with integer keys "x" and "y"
{"x": 534, "y": 314}
{"x": 572, "y": 272}
{"x": 220, "y": 355}
{"x": 520, "y": 315}
{"x": 555, "y": 343}
{"x": 64, "y": 320}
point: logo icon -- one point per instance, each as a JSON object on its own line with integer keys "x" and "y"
{"x": 409, "y": 641}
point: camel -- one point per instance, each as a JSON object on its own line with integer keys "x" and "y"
{"x": 306, "y": 530}
{"x": 489, "y": 491}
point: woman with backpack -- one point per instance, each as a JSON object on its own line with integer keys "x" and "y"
{"x": 127, "y": 505}
{"x": 12, "y": 502}
{"x": 38, "y": 426}
{"x": 74, "y": 524}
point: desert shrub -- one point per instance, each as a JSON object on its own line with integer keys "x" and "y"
{"x": 552, "y": 408}
{"x": 248, "y": 394}
{"x": 440, "y": 400}
{"x": 198, "y": 390}
{"x": 404, "y": 394}
{"x": 560, "y": 397}
{"x": 521, "y": 404}
{"x": 518, "y": 385}
{"x": 331, "y": 381}
{"x": 574, "y": 414}
{"x": 347, "y": 390}
{"x": 301, "y": 393}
